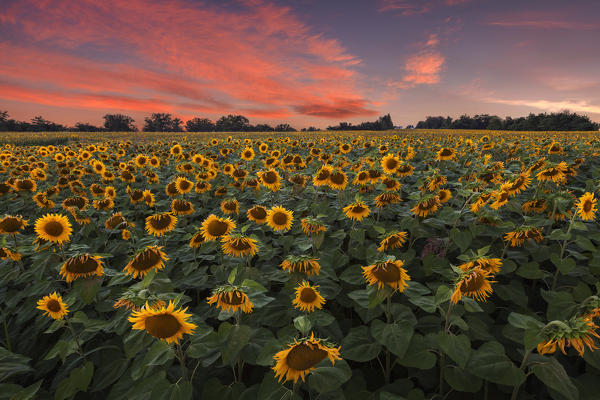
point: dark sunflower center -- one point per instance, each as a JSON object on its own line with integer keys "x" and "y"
{"x": 587, "y": 206}
{"x": 137, "y": 194}
{"x": 258, "y": 213}
{"x": 162, "y": 326}
{"x": 217, "y": 228}
{"x": 230, "y": 205}
{"x": 184, "y": 185}
{"x": 323, "y": 175}
{"x": 10, "y": 224}
{"x": 82, "y": 265}
{"x": 114, "y": 222}
{"x": 446, "y": 152}
{"x": 472, "y": 283}
{"x": 442, "y": 196}
{"x": 240, "y": 244}
{"x": 247, "y": 154}
{"x": 146, "y": 260}
{"x": 503, "y": 197}
{"x": 358, "y": 209}
{"x": 391, "y": 163}
{"x": 308, "y": 295}
{"x": 270, "y": 177}
{"x": 337, "y": 178}
{"x": 236, "y": 298}
{"x": 387, "y": 272}
{"x": 280, "y": 218}
{"x": 54, "y": 228}
{"x": 392, "y": 240}
{"x": 53, "y": 305}
{"x": 301, "y": 357}
{"x": 172, "y": 188}
{"x": 362, "y": 176}
{"x": 26, "y": 184}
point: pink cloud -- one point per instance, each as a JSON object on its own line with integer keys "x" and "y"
{"x": 424, "y": 68}
{"x": 181, "y": 56}
{"x": 415, "y": 7}
{"x": 540, "y": 20}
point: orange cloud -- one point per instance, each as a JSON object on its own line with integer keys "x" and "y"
{"x": 424, "y": 68}
{"x": 178, "y": 56}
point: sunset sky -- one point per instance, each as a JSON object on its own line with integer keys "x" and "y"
{"x": 306, "y": 62}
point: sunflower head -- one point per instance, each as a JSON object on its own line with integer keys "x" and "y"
{"x": 163, "y": 322}
{"x": 312, "y": 226}
{"x": 53, "y": 306}
{"x": 308, "y": 298}
{"x": 181, "y": 207}
{"x": 81, "y": 266}
{"x": 394, "y": 240}
{"x": 301, "y": 357}
{"x": 11, "y": 225}
{"x": 388, "y": 272}
{"x": 214, "y": 228}
{"x": 304, "y": 264}
{"x": 357, "y": 211}
{"x": 279, "y": 219}
{"x": 149, "y": 258}
{"x": 577, "y": 332}
{"x": 53, "y": 228}
{"x": 159, "y": 224}
{"x": 228, "y": 297}
{"x": 237, "y": 245}
{"x": 474, "y": 283}
{"x": 257, "y": 214}
{"x": 586, "y": 207}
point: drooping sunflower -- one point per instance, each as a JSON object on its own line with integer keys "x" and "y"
{"x": 308, "y": 298}
{"x": 578, "y": 332}
{"x": 444, "y": 195}
{"x": 387, "y": 198}
{"x": 237, "y": 245}
{"x": 53, "y": 228}
{"x": 518, "y": 237}
{"x": 304, "y": 264}
{"x": 388, "y": 273}
{"x": 104, "y": 204}
{"x": 197, "y": 240}
{"x": 11, "y": 225}
{"x": 357, "y": 211}
{"x": 491, "y": 265}
{"x": 230, "y": 206}
{"x": 394, "y": 240}
{"x": 151, "y": 257}
{"x": 7, "y": 254}
{"x": 181, "y": 207}
{"x": 473, "y": 283}
{"x": 116, "y": 221}
{"x": 429, "y": 204}
{"x": 501, "y": 199}
{"x": 231, "y": 298}
{"x": 81, "y": 266}
{"x": 159, "y": 224}
{"x": 586, "y": 207}
{"x": 164, "y": 323}
{"x": 280, "y": 219}
{"x": 302, "y": 356}
{"x": 257, "y": 214}
{"x": 312, "y": 226}
{"x": 554, "y": 173}
{"x": 149, "y": 198}
{"x": 214, "y": 228}
{"x": 53, "y": 306}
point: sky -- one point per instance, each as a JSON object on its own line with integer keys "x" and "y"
{"x": 305, "y": 62}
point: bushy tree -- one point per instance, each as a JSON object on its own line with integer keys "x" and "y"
{"x": 200, "y": 125}
{"x": 232, "y": 123}
{"x": 119, "y": 123}
{"x": 162, "y": 122}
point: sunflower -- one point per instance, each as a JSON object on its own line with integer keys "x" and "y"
{"x": 444, "y": 195}
{"x": 257, "y": 214}
{"x": 586, "y": 207}
{"x": 247, "y": 154}
{"x": 429, "y": 204}
{"x": 81, "y": 266}
{"x": 148, "y": 198}
{"x": 491, "y": 265}
{"x": 231, "y": 206}
{"x": 197, "y": 240}
{"x": 53, "y": 306}
{"x": 312, "y": 226}
{"x": 445, "y": 154}
{"x": 105, "y": 204}
{"x": 518, "y": 237}
{"x": 151, "y": 257}
{"x": 338, "y": 180}
{"x": 473, "y": 283}
{"x": 308, "y": 298}
{"x": 116, "y": 221}
{"x": 554, "y": 173}
{"x": 304, "y": 264}
{"x": 357, "y": 211}
{"x": 237, "y": 245}
{"x": 302, "y": 356}
{"x": 270, "y": 179}
{"x": 388, "y": 273}
{"x": 405, "y": 170}
{"x": 164, "y": 323}
{"x": 386, "y": 198}
{"x": 392, "y": 241}
{"x": 501, "y": 199}
{"x": 231, "y": 298}
{"x": 176, "y": 150}
{"x": 202, "y": 187}
{"x": 321, "y": 177}
{"x": 53, "y": 228}
{"x": 578, "y": 333}
{"x": 390, "y": 164}
{"x": 518, "y": 185}
{"x": 181, "y": 207}
{"x": 280, "y": 219}
{"x": 11, "y": 225}
{"x": 183, "y": 185}
{"x": 7, "y": 254}
{"x": 214, "y": 228}
{"x": 159, "y": 224}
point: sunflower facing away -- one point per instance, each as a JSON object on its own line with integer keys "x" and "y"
{"x": 312, "y": 226}
{"x": 392, "y": 241}
{"x": 152, "y": 257}
{"x": 53, "y": 306}
{"x": 53, "y": 228}
{"x": 428, "y": 205}
{"x": 304, "y": 264}
{"x": 159, "y": 224}
{"x": 388, "y": 273}
{"x": 473, "y": 283}
{"x": 586, "y": 207}
{"x": 214, "y": 228}
{"x": 491, "y": 265}
{"x": 518, "y": 237}
{"x": 302, "y": 356}
{"x": 279, "y": 219}
{"x": 81, "y": 266}
{"x": 308, "y": 298}
{"x": 231, "y": 298}
{"x": 578, "y": 332}
{"x": 10, "y": 225}
{"x": 164, "y": 323}
{"x": 237, "y": 245}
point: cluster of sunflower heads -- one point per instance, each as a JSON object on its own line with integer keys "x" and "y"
{"x": 475, "y": 275}
{"x": 577, "y": 332}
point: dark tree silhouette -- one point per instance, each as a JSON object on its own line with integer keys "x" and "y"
{"x": 382, "y": 124}
{"x": 233, "y": 123}
{"x": 162, "y": 122}
{"x": 200, "y": 125}
{"x": 119, "y": 123}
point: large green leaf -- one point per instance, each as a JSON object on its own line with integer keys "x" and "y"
{"x": 326, "y": 378}
{"x": 458, "y": 347}
{"x": 395, "y": 336}
{"x": 491, "y": 363}
{"x": 358, "y": 345}
{"x": 553, "y": 375}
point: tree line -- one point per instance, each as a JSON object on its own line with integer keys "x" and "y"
{"x": 382, "y": 124}
{"x": 561, "y": 121}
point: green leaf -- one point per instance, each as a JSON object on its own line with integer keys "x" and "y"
{"x": 461, "y": 238}
{"x": 565, "y": 265}
{"x": 358, "y": 345}
{"x": 87, "y": 288}
{"x": 458, "y": 347}
{"x": 327, "y": 378}
{"x": 442, "y": 295}
{"x": 461, "y": 380}
{"x": 62, "y": 349}
{"x": 303, "y": 324}
{"x": 585, "y": 243}
{"x": 524, "y": 321}
{"x": 490, "y": 362}
{"x": 159, "y": 354}
{"x": 426, "y": 303}
{"x": 238, "y": 337}
{"x": 27, "y": 393}
{"x": 418, "y": 354}
{"x": 12, "y": 364}
{"x": 395, "y": 337}
{"x": 78, "y": 381}
{"x": 553, "y": 375}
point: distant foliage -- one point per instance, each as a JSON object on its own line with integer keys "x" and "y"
{"x": 382, "y": 124}
{"x": 162, "y": 122}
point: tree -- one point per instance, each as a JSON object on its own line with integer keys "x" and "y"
{"x": 284, "y": 128}
{"x": 232, "y": 123}
{"x": 119, "y": 123}
{"x": 39, "y": 124}
{"x": 200, "y": 125}
{"x": 86, "y": 127}
{"x": 263, "y": 128}
{"x": 382, "y": 124}
{"x": 162, "y": 122}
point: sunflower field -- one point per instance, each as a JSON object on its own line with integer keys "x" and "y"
{"x": 350, "y": 265}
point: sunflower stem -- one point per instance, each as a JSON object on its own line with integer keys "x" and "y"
{"x": 522, "y": 367}
{"x": 388, "y": 360}
{"x": 181, "y": 357}
{"x": 562, "y": 250}
{"x": 8, "y": 346}
{"x": 76, "y": 338}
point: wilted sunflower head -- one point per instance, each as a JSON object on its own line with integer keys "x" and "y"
{"x": 181, "y": 207}
{"x": 393, "y": 240}
{"x": 159, "y": 224}
{"x": 312, "y": 226}
{"x": 11, "y": 225}
{"x": 357, "y": 211}
{"x": 302, "y": 356}
{"x": 53, "y": 306}
{"x": 7, "y": 254}
{"x": 473, "y": 283}
{"x": 151, "y": 257}
{"x": 237, "y": 245}
{"x": 427, "y": 205}
{"x": 231, "y": 298}
{"x": 54, "y": 228}
{"x": 388, "y": 272}
{"x": 304, "y": 264}
{"x": 577, "y": 332}
{"x": 214, "y": 228}
{"x": 164, "y": 323}
{"x": 81, "y": 266}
